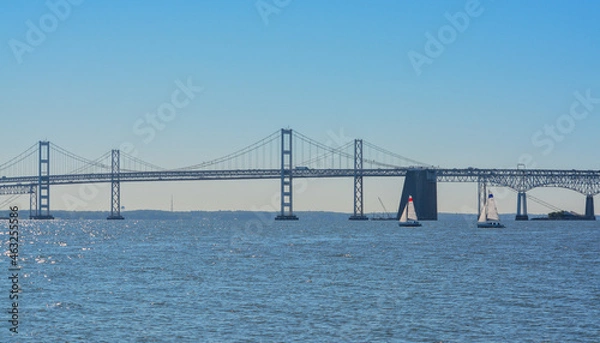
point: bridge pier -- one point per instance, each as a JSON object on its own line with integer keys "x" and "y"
{"x": 589, "y": 207}
{"x": 286, "y": 177}
{"x": 422, "y": 185}
{"x": 42, "y": 210}
{"x": 358, "y": 182}
{"x": 115, "y": 199}
{"x": 522, "y": 206}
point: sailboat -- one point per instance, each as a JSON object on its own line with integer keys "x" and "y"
{"x": 488, "y": 218}
{"x": 409, "y": 215}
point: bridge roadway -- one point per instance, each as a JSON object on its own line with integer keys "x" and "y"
{"x": 586, "y": 182}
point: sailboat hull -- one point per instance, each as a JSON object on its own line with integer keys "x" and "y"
{"x": 490, "y": 225}
{"x": 409, "y": 224}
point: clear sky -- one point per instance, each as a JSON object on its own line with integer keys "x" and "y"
{"x": 453, "y": 83}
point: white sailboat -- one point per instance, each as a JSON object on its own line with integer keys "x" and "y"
{"x": 488, "y": 218}
{"x": 409, "y": 215}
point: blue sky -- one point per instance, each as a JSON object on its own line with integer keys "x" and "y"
{"x": 315, "y": 66}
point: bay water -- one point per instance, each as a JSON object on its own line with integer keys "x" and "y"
{"x": 325, "y": 280}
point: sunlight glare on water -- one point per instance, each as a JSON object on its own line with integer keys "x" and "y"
{"x": 324, "y": 281}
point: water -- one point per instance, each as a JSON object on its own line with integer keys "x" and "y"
{"x": 325, "y": 281}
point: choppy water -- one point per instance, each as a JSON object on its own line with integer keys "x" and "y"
{"x": 329, "y": 281}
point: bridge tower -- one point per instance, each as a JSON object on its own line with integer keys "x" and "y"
{"x": 589, "y": 207}
{"x": 115, "y": 199}
{"x": 42, "y": 210}
{"x": 32, "y": 200}
{"x": 358, "y": 181}
{"x": 521, "y": 195}
{"x": 287, "y": 167}
{"x": 522, "y": 206}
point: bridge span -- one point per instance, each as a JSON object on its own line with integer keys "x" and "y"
{"x": 276, "y": 157}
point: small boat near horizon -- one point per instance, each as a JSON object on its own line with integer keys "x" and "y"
{"x": 409, "y": 215}
{"x": 385, "y": 215}
{"x": 488, "y": 218}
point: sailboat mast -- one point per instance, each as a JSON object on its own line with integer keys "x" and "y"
{"x": 384, "y": 209}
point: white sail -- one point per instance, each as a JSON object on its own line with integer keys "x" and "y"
{"x": 404, "y": 217}
{"x": 409, "y": 215}
{"x": 490, "y": 209}
{"x": 482, "y": 214}
{"x": 412, "y": 214}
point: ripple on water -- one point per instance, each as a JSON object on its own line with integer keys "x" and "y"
{"x": 142, "y": 281}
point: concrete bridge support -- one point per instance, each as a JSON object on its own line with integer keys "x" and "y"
{"x": 589, "y": 207}
{"x": 422, "y": 185}
{"x": 522, "y": 206}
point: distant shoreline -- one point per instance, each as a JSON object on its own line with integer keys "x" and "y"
{"x": 239, "y": 215}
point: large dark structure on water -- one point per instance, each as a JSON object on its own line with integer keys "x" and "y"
{"x": 422, "y": 185}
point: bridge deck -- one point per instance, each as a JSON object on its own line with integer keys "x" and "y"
{"x": 583, "y": 181}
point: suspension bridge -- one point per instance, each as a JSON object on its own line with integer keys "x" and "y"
{"x": 284, "y": 155}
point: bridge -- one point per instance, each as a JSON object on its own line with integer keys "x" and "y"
{"x": 283, "y": 155}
